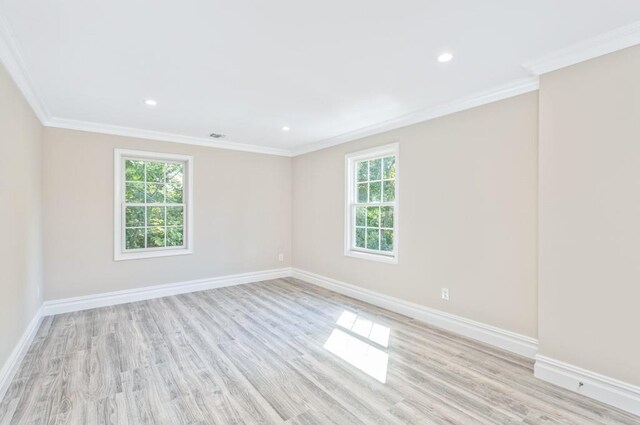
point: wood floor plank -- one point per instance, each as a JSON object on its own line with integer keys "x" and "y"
{"x": 275, "y": 352}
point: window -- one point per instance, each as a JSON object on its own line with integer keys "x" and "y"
{"x": 153, "y": 198}
{"x": 371, "y": 217}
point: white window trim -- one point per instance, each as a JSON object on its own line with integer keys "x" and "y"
{"x": 350, "y": 198}
{"x": 119, "y": 252}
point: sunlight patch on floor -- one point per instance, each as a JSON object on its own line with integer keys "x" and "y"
{"x": 356, "y": 351}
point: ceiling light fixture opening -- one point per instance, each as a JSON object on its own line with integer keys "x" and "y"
{"x": 150, "y": 102}
{"x": 445, "y": 57}
{"x": 285, "y": 128}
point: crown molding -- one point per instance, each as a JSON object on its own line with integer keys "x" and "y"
{"x": 494, "y": 94}
{"x": 488, "y": 96}
{"x": 14, "y": 63}
{"x": 609, "y": 42}
{"x": 160, "y": 136}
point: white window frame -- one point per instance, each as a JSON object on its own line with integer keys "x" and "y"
{"x": 351, "y": 202}
{"x": 119, "y": 251}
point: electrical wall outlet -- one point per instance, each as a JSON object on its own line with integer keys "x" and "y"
{"x": 280, "y": 257}
{"x": 445, "y": 294}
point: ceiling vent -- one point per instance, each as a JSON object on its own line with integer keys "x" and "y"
{"x": 217, "y": 135}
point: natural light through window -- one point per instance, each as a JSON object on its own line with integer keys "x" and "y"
{"x": 372, "y": 204}
{"x": 351, "y": 345}
{"x": 152, "y": 204}
{"x": 364, "y": 327}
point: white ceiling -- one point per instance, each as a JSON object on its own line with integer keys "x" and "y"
{"x": 330, "y": 70}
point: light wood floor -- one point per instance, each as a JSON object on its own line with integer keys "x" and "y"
{"x": 273, "y": 353}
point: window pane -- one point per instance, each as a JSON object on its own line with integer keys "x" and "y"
{"x": 155, "y": 193}
{"x": 174, "y": 193}
{"x": 363, "y": 173}
{"x": 375, "y": 169}
{"x": 389, "y": 167}
{"x": 386, "y": 219}
{"x": 134, "y": 238}
{"x": 175, "y": 173}
{"x": 374, "y": 192}
{"x": 175, "y": 216}
{"x": 134, "y": 192}
{"x": 362, "y": 193}
{"x": 155, "y": 171}
{"x": 373, "y": 216}
{"x": 175, "y": 236}
{"x": 361, "y": 216}
{"x": 386, "y": 243}
{"x": 155, "y": 216}
{"x": 360, "y": 237}
{"x": 134, "y": 217}
{"x": 155, "y": 237}
{"x": 134, "y": 170}
{"x": 389, "y": 190}
{"x": 373, "y": 236}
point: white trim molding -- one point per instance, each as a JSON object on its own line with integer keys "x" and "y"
{"x": 600, "y": 45}
{"x": 351, "y": 203}
{"x": 68, "y": 305}
{"x": 14, "y": 361}
{"x": 494, "y": 94}
{"x": 599, "y": 387}
{"x": 609, "y": 42}
{"x": 12, "y": 59}
{"x": 119, "y": 251}
{"x": 87, "y": 302}
{"x": 161, "y": 136}
{"x": 501, "y": 338}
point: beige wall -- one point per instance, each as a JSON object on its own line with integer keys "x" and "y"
{"x": 468, "y": 220}
{"x": 242, "y": 215}
{"x": 590, "y": 215}
{"x": 467, "y": 216}
{"x": 20, "y": 208}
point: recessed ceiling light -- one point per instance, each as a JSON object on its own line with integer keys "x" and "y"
{"x": 445, "y": 57}
{"x": 150, "y": 102}
{"x": 285, "y": 128}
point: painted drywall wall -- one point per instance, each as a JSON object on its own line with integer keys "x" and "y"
{"x": 468, "y": 196}
{"x": 242, "y": 215}
{"x": 20, "y": 213}
{"x": 589, "y": 231}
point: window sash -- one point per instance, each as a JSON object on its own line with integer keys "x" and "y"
{"x": 124, "y": 227}
{"x": 121, "y": 252}
{"x": 354, "y": 228}
{"x": 352, "y": 162}
{"x": 124, "y": 204}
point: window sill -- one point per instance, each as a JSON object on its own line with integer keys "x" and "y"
{"x": 151, "y": 254}
{"x": 372, "y": 257}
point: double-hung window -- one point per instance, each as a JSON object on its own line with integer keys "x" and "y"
{"x": 153, "y": 204}
{"x": 371, "y": 216}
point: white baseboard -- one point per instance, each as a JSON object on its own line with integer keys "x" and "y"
{"x": 14, "y": 361}
{"x": 602, "y": 388}
{"x": 69, "y": 305}
{"x": 611, "y": 391}
{"x": 50, "y": 308}
{"x": 507, "y": 340}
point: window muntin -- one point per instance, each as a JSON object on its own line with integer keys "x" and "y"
{"x": 153, "y": 210}
{"x": 372, "y": 204}
{"x": 374, "y": 207}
